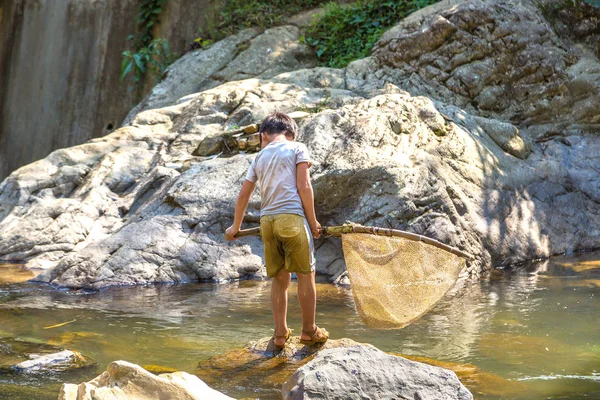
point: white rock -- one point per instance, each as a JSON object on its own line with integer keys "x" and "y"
{"x": 123, "y": 381}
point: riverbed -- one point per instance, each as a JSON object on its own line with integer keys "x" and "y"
{"x": 528, "y": 333}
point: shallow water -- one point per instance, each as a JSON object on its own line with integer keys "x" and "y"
{"x": 528, "y": 334}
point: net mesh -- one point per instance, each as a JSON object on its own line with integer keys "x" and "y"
{"x": 396, "y": 280}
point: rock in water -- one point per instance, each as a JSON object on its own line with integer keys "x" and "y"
{"x": 49, "y": 362}
{"x": 259, "y": 366}
{"x": 362, "y": 372}
{"x": 23, "y": 356}
{"x": 123, "y": 380}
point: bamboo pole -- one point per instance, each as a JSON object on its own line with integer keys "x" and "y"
{"x": 373, "y": 230}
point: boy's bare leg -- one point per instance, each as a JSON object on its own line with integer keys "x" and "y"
{"x": 307, "y": 296}
{"x": 279, "y": 302}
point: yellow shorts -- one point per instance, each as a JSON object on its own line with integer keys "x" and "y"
{"x": 288, "y": 244}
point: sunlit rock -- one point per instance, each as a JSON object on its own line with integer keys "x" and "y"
{"x": 23, "y": 356}
{"x": 260, "y": 365}
{"x": 360, "y": 371}
{"x": 123, "y": 380}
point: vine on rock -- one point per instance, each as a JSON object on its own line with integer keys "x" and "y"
{"x": 149, "y": 55}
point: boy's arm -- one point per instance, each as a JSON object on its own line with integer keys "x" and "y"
{"x": 305, "y": 191}
{"x": 240, "y": 209}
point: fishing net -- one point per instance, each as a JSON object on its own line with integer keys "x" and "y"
{"x": 396, "y": 280}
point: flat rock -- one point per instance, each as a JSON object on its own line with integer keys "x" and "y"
{"x": 362, "y": 372}
{"x": 24, "y": 356}
{"x": 61, "y": 360}
{"x": 259, "y": 366}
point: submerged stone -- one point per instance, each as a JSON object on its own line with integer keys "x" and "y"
{"x": 15, "y": 273}
{"x": 584, "y": 267}
{"x": 535, "y": 355}
{"x": 69, "y": 338}
{"x": 479, "y": 382}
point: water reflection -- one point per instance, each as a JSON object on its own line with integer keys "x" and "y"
{"x": 528, "y": 333}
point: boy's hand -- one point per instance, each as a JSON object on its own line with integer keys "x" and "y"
{"x": 315, "y": 228}
{"x": 231, "y": 232}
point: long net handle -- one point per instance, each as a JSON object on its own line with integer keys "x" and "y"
{"x": 340, "y": 230}
{"x": 248, "y": 232}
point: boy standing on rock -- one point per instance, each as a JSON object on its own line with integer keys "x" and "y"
{"x": 287, "y": 219}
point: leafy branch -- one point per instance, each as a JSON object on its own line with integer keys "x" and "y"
{"x": 150, "y": 55}
{"x": 153, "y": 59}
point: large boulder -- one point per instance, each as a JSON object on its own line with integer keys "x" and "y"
{"x": 506, "y": 183}
{"x": 123, "y": 380}
{"x": 500, "y": 59}
{"x": 363, "y": 372}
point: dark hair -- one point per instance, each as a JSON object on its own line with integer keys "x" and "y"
{"x": 278, "y": 122}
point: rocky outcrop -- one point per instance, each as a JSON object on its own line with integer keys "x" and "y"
{"x": 123, "y": 380}
{"x": 138, "y": 206}
{"x": 247, "y": 54}
{"x": 362, "y": 372}
{"x": 498, "y": 59}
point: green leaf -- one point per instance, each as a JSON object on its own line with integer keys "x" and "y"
{"x": 126, "y": 70}
{"x": 138, "y": 61}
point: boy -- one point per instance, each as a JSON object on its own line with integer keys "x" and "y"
{"x": 287, "y": 219}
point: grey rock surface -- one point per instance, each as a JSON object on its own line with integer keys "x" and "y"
{"x": 26, "y": 357}
{"x": 499, "y": 59}
{"x": 507, "y": 186}
{"x": 363, "y": 372}
{"x": 47, "y": 362}
{"x": 247, "y": 54}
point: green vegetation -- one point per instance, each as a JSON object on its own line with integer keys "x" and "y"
{"x": 236, "y": 15}
{"x": 346, "y": 33}
{"x": 153, "y": 58}
{"x": 343, "y": 33}
{"x": 149, "y": 55}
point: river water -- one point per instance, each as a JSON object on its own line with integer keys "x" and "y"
{"x": 532, "y": 333}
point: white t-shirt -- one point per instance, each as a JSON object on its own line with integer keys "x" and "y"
{"x": 274, "y": 168}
